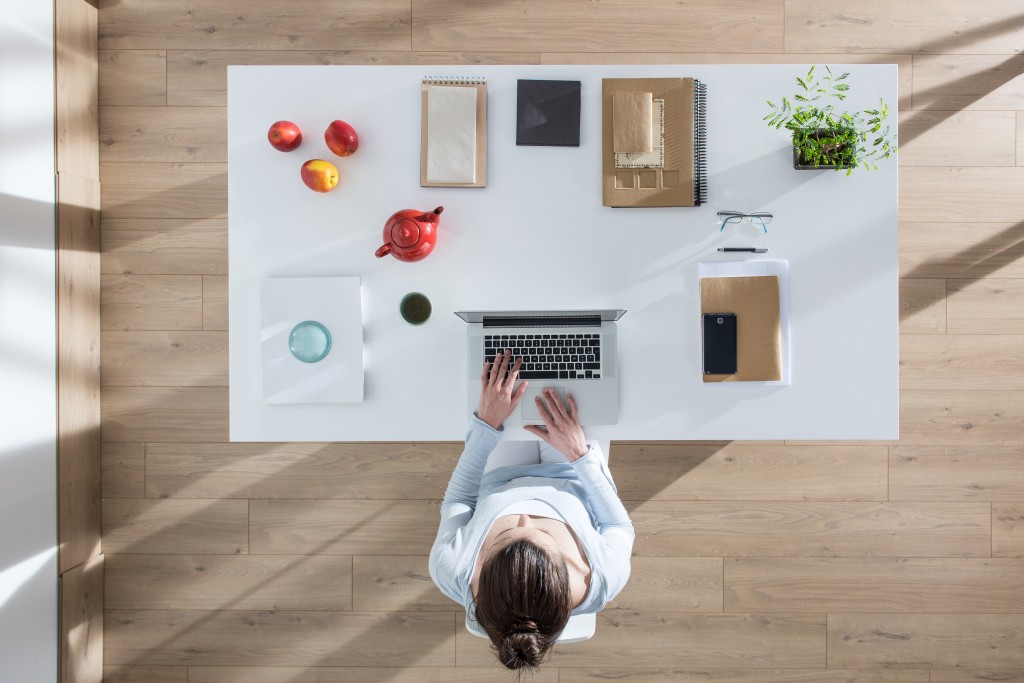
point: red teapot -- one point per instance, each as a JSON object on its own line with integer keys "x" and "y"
{"x": 410, "y": 234}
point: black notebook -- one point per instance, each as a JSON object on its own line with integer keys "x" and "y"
{"x": 548, "y": 113}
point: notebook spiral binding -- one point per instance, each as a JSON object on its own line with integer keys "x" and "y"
{"x": 700, "y": 143}
{"x": 455, "y": 80}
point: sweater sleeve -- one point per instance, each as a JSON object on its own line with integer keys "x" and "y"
{"x": 458, "y": 506}
{"x": 613, "y": 521}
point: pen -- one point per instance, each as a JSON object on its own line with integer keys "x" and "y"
{"x": 752, "y": 250}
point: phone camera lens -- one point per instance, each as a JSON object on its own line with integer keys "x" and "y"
{"x": 720, "y": 321}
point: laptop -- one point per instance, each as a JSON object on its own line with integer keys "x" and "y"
{"x": 572, "y": 351}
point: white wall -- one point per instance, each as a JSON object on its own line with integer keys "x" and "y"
{"x": 28, "y": 346}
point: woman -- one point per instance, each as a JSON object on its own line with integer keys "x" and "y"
{"x": 524, "y": 547}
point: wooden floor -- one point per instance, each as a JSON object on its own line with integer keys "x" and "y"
{"x": 288, "y": 563}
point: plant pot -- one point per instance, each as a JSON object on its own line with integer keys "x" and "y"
{"x": 799, "y": 165}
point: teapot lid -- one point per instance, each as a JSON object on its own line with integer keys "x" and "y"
{"x": 405, "y": 233}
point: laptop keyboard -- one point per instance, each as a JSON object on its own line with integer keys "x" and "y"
{"x": 550, "y": 356}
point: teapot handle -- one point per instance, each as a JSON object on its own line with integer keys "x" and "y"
{"x": 383, "y": 251}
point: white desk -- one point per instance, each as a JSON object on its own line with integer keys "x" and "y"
{"x": 838, "y": 234}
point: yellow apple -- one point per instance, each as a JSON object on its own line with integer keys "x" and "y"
{"x": 320, "y": 175}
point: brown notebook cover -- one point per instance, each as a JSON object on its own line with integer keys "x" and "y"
{"x": 481, "y": 129}
{"x": 681, "y": 180}
{"x": 755, "y": 301}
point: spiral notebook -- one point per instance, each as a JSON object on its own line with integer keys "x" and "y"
{"x": 654, "y": 137}
{"x": 453, "y": 143}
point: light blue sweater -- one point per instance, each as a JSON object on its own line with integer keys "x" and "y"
{"x": 582, "y": 492}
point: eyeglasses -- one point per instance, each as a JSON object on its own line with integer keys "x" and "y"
{"x": 761, "y": 218}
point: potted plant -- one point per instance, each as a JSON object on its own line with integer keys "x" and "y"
{"x": 826, "y": 138}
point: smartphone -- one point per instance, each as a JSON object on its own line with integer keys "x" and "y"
{"x": 719, "y": 343}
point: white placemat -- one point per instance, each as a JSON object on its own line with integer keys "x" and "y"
{"x": 335, "y": 303}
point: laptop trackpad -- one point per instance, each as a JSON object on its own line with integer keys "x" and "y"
{"x": 528, "y": 406}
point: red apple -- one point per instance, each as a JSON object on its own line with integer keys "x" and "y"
{"x": 284, "y": 136}
{"x": 341, "y": 138}
{"x": 320, "y": 175}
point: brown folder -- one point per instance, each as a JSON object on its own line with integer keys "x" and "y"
{"x": 681, "y": 178}
{"x": 755, "y": 301}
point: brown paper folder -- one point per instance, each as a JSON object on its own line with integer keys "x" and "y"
{"x": 632, "y": 122}
{"x": 681, "y": 180}
{"x": 755, "y": 301}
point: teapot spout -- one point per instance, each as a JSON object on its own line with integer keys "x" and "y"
{"x": 431, "y": 216}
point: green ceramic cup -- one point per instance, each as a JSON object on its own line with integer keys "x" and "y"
{"x": 415, "y": 308}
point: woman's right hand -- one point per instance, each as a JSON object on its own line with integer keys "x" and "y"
{"x": 561, "y": 426}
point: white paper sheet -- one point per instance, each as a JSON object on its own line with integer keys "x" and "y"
{"x": 451, "y": 134}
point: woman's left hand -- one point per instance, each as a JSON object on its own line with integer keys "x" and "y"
{"x": 497, "y": 397}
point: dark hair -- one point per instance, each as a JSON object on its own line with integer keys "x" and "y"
{"x": 523, "y": 602}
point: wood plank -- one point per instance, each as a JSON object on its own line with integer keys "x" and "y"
{"x": 164, "y": 190}
{"x": 178, "y": 414}
{"x": 961, "y": 194}
{"x": 958, "y": 82}
{"x": 922, "y": 306}
{"x": 165, "y": 246}
{"x": 215, "y": 302}
{"x": 124, "y": 470}
{"x": 133, "y": 77}
{"x": 691, "y": 675}
{"x": 363, "y": 674}
{"x": 405, "y": 471}
{"x": 952, "y": 138}
{"x": 342, "y": 527}
{"x": 903, "y": 61}
{"x": 199, "y": 77}
{"x": 962, "y": 250}
{"x": 145, "y": 674}
{"x": 628, "y": 639}
{"x": 160, "y": 133}
{"x": 77, "y": 98}
{"x": 288, "y": 638}
{"x": 758, "y": 584}
{"x": 78, "y": 370}
{"x": 956, "y": 473}
{"x": 577, "y": 25}
{"x": 945, "y": 26}
{"x": 219, "y": 582}
{"x": 151, "y": 302}
{"x": 672, "y": 584}
{"x": 1008, "y": 529}
{"x": 967, "y": 675}
{"x": 961, "y": 417}
{"x": 961, "y": 361}
{"x": 740, "y": 471}
{"x": 132, "y": 525}
{"x": 81, "y": 622}
{"x": 1020, "y": 138}
{"x": 710, "y": 529}
{"x": 993, "y": 641}
{"x": 394, "y": 584}
{"x": 184, "y": 358}
{"x": 256, "y": 25}
{"x": 988, "y": 306}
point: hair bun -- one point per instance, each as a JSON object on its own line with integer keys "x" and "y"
{"x": 521, "y": 647}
